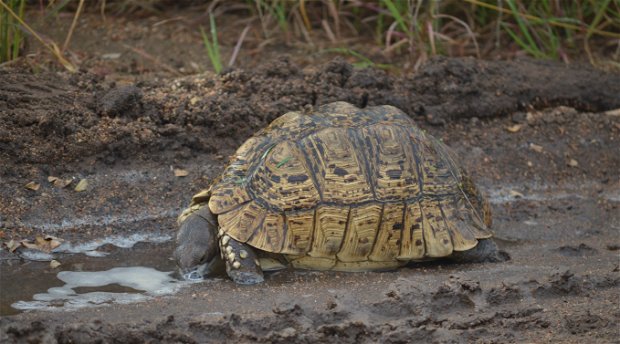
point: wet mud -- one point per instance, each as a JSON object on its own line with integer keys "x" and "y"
{"x": 540, "y": 138}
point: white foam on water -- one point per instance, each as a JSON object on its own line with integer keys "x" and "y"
{"x": 90, "y": 247}
{"x": 147, "y": 282}
{"x": 105, "y": 220}
{"x": 35, "y": 255}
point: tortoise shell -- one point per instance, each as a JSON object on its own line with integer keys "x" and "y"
{"x": 350, "y": 189}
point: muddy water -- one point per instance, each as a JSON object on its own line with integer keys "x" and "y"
{"x": 114, "y": 275}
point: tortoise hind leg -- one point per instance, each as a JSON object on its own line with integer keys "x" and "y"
{"x": 242, "y": 264}
{"x": 485, "y": 251}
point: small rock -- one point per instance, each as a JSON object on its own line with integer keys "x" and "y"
{"x": 54, "y": 264}
{"x": 288, "y": 332}
{"x": 518, "y": 117}
{"x": 110, "y": 56}
{"x": 573, "y": 163}
{"x": 180, "y": 173}
{"x": 536, "y": 148}
{"x": 614, "y": 113}
{"x": 514, "y": 128}
{"x": 119, "y": 101}
{"x": 530, "y": 118}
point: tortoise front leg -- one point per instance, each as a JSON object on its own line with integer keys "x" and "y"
{"x": 242, "y": 264}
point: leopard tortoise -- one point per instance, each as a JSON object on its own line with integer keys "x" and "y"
{"x": 337, "y": 188}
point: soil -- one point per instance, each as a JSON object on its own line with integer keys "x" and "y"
{"x": 541, "y": 139}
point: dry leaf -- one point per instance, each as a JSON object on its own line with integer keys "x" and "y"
{"x": 514, "y": 128}
{"x": 82, "y": 185}
{"x": 516, "y": 194}
{"x": 59, "y": 182}
{"x": 39, "y": 241}
{"x": 45, "y": 244}
{"x": 573, "y": 163}
{"x": 28, "y": 244}
{"x": 12, "y": 245}
{"x": 32, "y": 186}
{"x": 63, "y": 183}
{"x": 536, "y": 148}
{"x": 53, "y": 241}
{"x": 180, "y": 173}
{"x": 54, "y": 264}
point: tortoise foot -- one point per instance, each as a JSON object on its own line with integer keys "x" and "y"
{"x": 485, "y": 251}
{"x": 242, "y": 264}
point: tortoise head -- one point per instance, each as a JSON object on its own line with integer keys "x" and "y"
{"x": 197, "y": 250}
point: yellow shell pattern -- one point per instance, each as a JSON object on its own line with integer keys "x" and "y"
{"x": 348, "y": 189}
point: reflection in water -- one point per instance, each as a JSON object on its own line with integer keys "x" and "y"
{"x": 144, "y": 282}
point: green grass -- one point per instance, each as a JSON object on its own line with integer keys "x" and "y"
{"x": 11, "y": 37}
{"x": 212, "y": 46}
{"x": 409, "y": 29}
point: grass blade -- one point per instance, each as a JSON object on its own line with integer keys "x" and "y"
{"x": 523, "y": 27}
{"x": 396, "y": 14}
{"x": 519, "y": 41}
{"x": 212, "y": 46}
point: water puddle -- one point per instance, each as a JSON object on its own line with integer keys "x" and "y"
{"x": 88, "y": 288}
{"x": 122, "y": 275}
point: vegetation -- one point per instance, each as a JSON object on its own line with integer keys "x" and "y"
{"x": 14, "y": 22}
{"x": 213, "y": 48}
{"x": 11, "y": 37}
{"x": 415, "y": 29}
